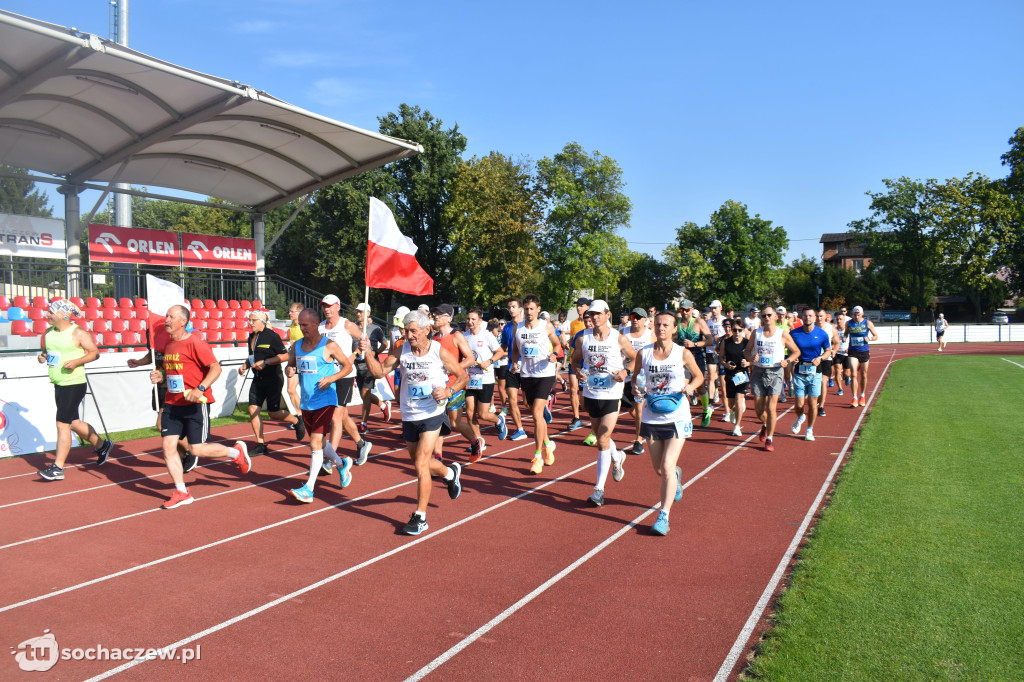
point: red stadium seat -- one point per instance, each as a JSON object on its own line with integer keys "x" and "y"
{"x": 141, "y": 303}
{"x": 131, "y": 338}
{"x": 257, "y": 305}
{"x": 198, "y": 324}
{"x": 283, "y": 333}
{"x": 40, "y": 326}
{"x": 100, "y": 326}
{"x": 5, "y": 302}
{"x": 222, "y": 304}
{"x": 245, "y": 305}
{"x": 124, "y": 303}
{"x": 93, "y": 314}
{"x": 110, "y": 339}
{"x": 233, "y": 304}
{"x": 197, "y": 304}
{"x": 20, "y": 302}
{"x": 201, "y": 314}
{"x": 214, "y": 324}
{"x": 209, "y": 304}
{"x": 216, "y": 314}
{"x": 77, "y": 300}
{"x": 109, "y": 302}
{"x": 35, "y": 314}
{"x": 213, "y": 336}
{"x": 137, "y": 325}
{"x": 118, "y": 325}
{"x": 92, "y": 302}
{"x": 109, "y": 313}
{"x": 40, "y": 302}
{"x": 21, "y": 328}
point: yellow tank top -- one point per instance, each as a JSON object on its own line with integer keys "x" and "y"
{"x": 60, "y": 347}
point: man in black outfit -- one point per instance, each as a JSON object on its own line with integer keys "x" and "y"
{"x": 266, "y": 356}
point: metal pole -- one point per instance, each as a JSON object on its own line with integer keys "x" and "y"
{"x": 94, "y": 402}
{"x": 72, "y": 233}
{"x": 259, "y": 236}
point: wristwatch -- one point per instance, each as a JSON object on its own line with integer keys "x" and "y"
{"x": 201, "y": 388}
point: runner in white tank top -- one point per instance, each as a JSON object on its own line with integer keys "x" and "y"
{"x": 533, "y": 346}
{"x": 342, "y": 331}
{"x": 765, "y": 351}
{"x": 640, "y": 335}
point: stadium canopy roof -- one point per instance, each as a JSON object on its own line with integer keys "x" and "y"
{"x": 85, "y": 109}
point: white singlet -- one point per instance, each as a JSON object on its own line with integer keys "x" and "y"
{"x": 769, "y": 349}
{"x": 420, "y": 375}
{"x": 602, "y": 359}
{"x": 534, "y": 348}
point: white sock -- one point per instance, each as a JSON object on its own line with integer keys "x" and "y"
{"x": 315, "y": 462}
{"x": 180, "y": 487}
{"x": 422, "y": 515}
{"x": 604, "y": 463}
{"x": 449, "y": 476}
{"x": 331, "y": 454}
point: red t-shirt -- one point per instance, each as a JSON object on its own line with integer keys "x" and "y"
{"x": 186, "y": 363}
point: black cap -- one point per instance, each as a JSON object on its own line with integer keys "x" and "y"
{"x": 444, "y": 309}
{"x": 582, "y": 300}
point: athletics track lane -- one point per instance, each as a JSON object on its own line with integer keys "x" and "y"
{"x": 603, "y": 620}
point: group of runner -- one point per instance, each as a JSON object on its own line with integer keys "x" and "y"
{"x": 650, "y": 367}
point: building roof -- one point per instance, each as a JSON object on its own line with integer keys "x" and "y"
{"x": 830, "y": 237}
{"x": 82, "y": 108}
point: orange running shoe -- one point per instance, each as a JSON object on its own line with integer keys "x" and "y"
{"x": 863, "y": 402}
{"x": 537, "y": 465}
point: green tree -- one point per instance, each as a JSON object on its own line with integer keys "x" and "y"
{"x": 646, "y": 281}
{"x": 842, "y": 285}
{"x": 973, "y": 217}
{"x": 800, "y": 281}
{"x": 495, "y": 209}
{"x": 423, "y": 188}
{"x": 19, "y": 196}
{"x": 586, "y": 207}
{"x": 735, "y": 258}
{"x": 1011, "y": 250}
{"x": 899, "y": 237}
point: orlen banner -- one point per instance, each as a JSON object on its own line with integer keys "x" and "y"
{"x": 210, "y": 251}
{"x": 133, "y": 245}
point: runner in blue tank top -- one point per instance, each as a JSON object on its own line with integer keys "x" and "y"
{"x": 860, "y": 332}
{"x": 815, "y": 345}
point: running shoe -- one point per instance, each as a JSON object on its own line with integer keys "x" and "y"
{"x": 549, "y": 452}
{"x": 660, "y": 526}
{"x": 764, "y": 432}
{"x": 821, "y": 411}
{"x": 840, "y": 391}
{"x": 537, "y": 463}
{"x": 102, "y": 452}
{"x": 863, "y": 402}
{"x": 830, "y": 382}
{"x": 810, "y": 434}
{"x": 455, "y": 485}
{"x": 797, "y": 424}
{"x": 243, "y": 461}
{"x": 575, "y": 424}
{"x": 362, "y": 427}
{"x": 782, "y": 398}
{"x": 260, "y": 449}
{"x": 727, "y": 417}
{"x": 188, "y": 462}
{"x": 733, "y": 418}
{"x": 491, "y": 409}
{"x": 706, "y": 419}
{"x": 590, "y": 440}
{"x": 476, "y": 450}
{"x": 504, "y": 411}
{"x": 303, "y": 494}
{"x": 327, "y": 468}
{"x": 597, "y": 499}
{"x": 300, "y": 429}
{"x": 854, "y": 403}
{"x": 638, "y": 448}
{"x": 178, "y": 499}
{"x": 385, "y": 408}
{"x": 52, "y": 473}
{"x": 417, "y": 524}
{"x": 502, "y": 427}
{"x": 551, "y": 402}
{"x": 518, "y": 434}
{"x": 679, "y": 484}
{"x": 345, "y": 472}
{"x": 768, "y": 445}
{"x": 846, "y": 380}
{"x": 738, "y": 432}
{"x": 547, "y": 415}
{"x": 618, "y": 459}
{"x": 291, "y": 427}
{"x": 363, "y": 452}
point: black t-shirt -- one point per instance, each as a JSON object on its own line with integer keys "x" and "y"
{"x": 263, "y": 345}
{"x": 734, "y": 353}
{"x": 377, "y": 340}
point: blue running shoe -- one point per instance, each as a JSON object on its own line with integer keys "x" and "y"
{"x": 575, "y": 424}
{"x": 345, "y": 472}
{"x": 455, "y": 485}
{"x": 417, "y": 524}
{"x": 547, "y": 415}
{"x": 661, "y": 525}
{"x": 679, "y": 486}
{"x": 303, "y": 494}
{"x": 518, "y": 434}
{"x": 502, "y": 427}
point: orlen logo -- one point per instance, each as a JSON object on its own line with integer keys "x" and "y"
{"x": 104, "y": 240}
{"x": 37, "y": 654}
{"x": 194, "y": 247}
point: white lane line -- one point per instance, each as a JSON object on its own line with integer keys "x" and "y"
{"x": 755, "y": 616}
{"x": 1014, "y": 363}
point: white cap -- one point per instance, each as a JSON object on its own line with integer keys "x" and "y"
{"x": 857, "y": 309}
{"x": 400, "y": 316}
{"x": 716, "y": 303}
{"x": 598, "y": 306}
{"x": 780, "y": 309}
{"x": 424, "y": 307}
{"x": 545, "y": 315}
{"x": 330, "y": 299}
{"x": 941, "y": 315}
{"x": 363, "y": 306}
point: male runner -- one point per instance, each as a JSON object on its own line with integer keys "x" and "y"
{"x": 575, "y": 327}
{"x": 534, "y": 346}
{"x": 266, "y": 355}
{"x": 941, "y": 325}
{"x": 512, "y": 379}
{"x": 861, "y": 332}
{"x": 486, "y": 351}
{"x": 765, "y": 351}
{"x": 455, "y": 343}
{"x": 66, "y": 348}
{"x": 826, "y": 365}
{"x": 342, "y": 332}
{"x": 815, "y": 346}
{"x": 714, "y": 321}
{"x": 378, "y": 345}
{"x": 695, "y": 336}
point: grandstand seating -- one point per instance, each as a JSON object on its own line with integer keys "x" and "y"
{"x": 92, "y": 302}
{"x": 78, "y": 301}
{"x": 99, "y": 326}
{"x": 137, "y": 324}
{"x": 20, "y": 302}
{"x": 40, "y": 326}
{"x": 109, "y": 302}
{"x": 35, "y": 314}
{"x": 119, "y": 325}
{"x": 93, "y": 314}
{"x": 40, "y": 302}
{"x": 141, "y": 303}
{"x": 5, "y": 302}
{"x": 245, "y": 305}
{"x": 21, "y": 328}
{"x": 209, "y": 304}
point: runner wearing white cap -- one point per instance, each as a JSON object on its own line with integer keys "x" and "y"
{"x": 861, "y": 332}
{"x": 715, "y": 387}
{"x": 344, "y": 333}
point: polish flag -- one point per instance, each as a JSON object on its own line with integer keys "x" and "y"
{"x": 161, "y": 295}
{"x": 391, "y": 256}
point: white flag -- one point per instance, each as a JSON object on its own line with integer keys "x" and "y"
{"x": 163, "y": 294}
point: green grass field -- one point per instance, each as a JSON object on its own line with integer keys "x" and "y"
{"x": 916, "y": 568}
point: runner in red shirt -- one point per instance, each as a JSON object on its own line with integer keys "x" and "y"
{"x": 191, "y": 369}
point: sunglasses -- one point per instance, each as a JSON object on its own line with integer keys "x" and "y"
{"x": 768, "y": 315}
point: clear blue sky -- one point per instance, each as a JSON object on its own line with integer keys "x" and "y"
{"x": 795, "y": 108}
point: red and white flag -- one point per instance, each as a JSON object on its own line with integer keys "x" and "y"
{"x": 391, "y": 256}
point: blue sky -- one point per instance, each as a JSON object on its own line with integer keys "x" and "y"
{"x": 795, "y": 109}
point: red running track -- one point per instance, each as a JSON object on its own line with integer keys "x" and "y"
{"x": 519, "y": 578}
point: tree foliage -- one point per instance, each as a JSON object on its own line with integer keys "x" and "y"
{"x": 495, "y": 209}
{"x": 735, "y": 258}
{"x": 586, "y": 207}
{"x": 646, "y": 281}
{"x": 1011, "y": 250}
{"x": 19, "y": 196}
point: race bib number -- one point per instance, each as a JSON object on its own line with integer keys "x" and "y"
{"x": 175, "y": 383}
{"x": 685, "y": 428}
{"x": 739, "y": 378}
{"x": 52, "y": 359}
{"x": 252, "y": 360}
{"x": 805, "y": 368}
{"x": 531, "y": 351}
{"x": 475, "y": 383}
{"x": 599, "y": 381}
{"x": 765, "y": 360}
{"x": 420, "y": 391}
{"x": 306, "y": 364}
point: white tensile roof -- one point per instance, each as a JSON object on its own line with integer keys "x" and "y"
{"x": 89, "y": 110}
